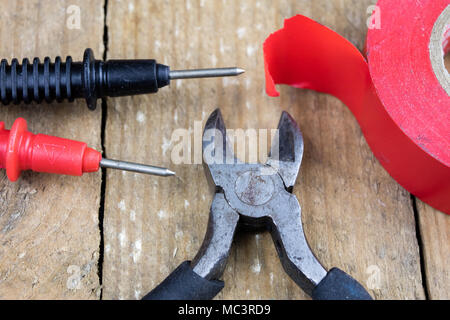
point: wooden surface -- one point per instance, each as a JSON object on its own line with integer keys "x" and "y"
{"x": 435, "y": 234}
{"x": 355, "y": 216}
{"x": 49, "y": 234}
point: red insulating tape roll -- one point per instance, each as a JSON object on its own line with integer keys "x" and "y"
{"x": 401, "y": 106}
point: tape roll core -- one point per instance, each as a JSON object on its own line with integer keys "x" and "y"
{"x": 439, "y": 47}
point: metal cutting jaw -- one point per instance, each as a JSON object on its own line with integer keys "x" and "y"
{"x": 256, "y": 196}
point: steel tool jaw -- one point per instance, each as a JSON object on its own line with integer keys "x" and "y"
{"x": 216, "y": 146}
{"x": 284, "y": 158}
{"x": 286, "y": 153}
{"x": 218, "y": 155}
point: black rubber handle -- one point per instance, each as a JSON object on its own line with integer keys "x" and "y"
{"x": 185, "y": 284}
{"x": 338, "y": 285}
{"x": 90, "y": 79}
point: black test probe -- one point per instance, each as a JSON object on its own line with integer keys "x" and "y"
{"x": 90, "y": 79}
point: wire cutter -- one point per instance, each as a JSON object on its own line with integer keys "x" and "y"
{"x": 255, "y": 197}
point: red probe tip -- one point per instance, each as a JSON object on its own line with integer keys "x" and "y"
{"x": 22, "y": 150}
{"x": 91, "y": 160}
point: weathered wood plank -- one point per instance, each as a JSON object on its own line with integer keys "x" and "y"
{"x": 435, "y": 233}
{"x": 355, "y": 216}
{"x": 49, "y": 234}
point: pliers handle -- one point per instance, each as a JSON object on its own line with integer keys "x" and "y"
{"x": 185, "y": 284}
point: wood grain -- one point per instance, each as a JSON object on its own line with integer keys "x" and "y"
{"x": 435, "y": 234}
{"x": 355, "y": 216}
{"x": 49, "y": 234}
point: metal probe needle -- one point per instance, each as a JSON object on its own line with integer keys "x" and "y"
{"x": 205, "y": 73}
{"x": 136, "y": 167}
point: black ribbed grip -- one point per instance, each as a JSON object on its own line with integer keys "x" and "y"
{"x": 36, "y": 81}
{"x": 90, "y": 79}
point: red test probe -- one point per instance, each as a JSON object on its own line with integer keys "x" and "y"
{"x": 22, "y": 150}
